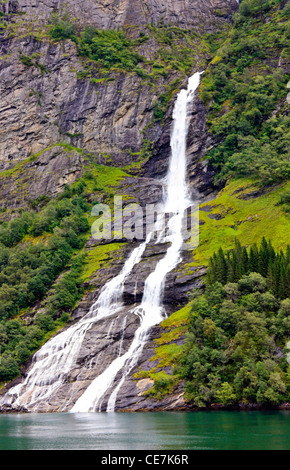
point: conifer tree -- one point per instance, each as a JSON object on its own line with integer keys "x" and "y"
{"x": 264, "y": 257}
{"x": 235, "y": 263}
{"x": 222, "y": 269}
{"x": 288, "y": 254}
{"x": 254, "y": 259}
{"x": 245, "y": 260}
{"x": 282, "y": 287}
{"x": 210, "y": 275}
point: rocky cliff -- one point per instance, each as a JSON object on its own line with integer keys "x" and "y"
{"x": 56, "y": 118}
{"x": 116, "y": 14}
{"x": 43, "y": 100}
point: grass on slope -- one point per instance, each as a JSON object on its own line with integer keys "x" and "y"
{"x": 239, "y": 211}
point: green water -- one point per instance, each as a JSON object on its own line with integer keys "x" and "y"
{"x": 222, "y": 430}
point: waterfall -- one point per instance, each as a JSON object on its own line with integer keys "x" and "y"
{"x": 55, "y": 359}
{"x": 151, "y": 311}
{"x": 53, "y": 362}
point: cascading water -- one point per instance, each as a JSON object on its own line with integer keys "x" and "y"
{"x": 53, "y": 362}
{"x": 151, "y": 311}
{"x": 55, "y": 359}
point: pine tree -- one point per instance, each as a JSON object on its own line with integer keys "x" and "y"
{"x": 231, "y": 272}
{"x": 237, "y": 273}
{"x": 254, "y": 259}
{"x": 235, "y": 263}
{"x": 288, "y": 255}
{"x": 276, "y": 276}
{"x": 245, "y": 260}
{"x": 282, "y": 288}
{"x": 272, "y": 253}
{"x": 222, "y": 269}
{"x": 238, "y": 248}
{"x": 264, "y": 257}
{"x": 270, "y": 277}
{"x": 210, "y": 275}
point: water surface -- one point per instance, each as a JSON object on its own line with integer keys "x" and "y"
{"x": 222, "y": 430}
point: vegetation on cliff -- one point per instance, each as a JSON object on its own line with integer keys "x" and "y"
{"x": 123, "y": 49}
{"x": 236, "y": 333}
{"x": 234, "y": 264}
{"x": 238, "y": 328}
{"x": 244, "y": 89}
{"x": 35, "y": 248}
{"x": 105, "y": 52}
{"x": 235, "y": 350}
{"x": 107, "y": 47}
{"x": 43, "y": 264}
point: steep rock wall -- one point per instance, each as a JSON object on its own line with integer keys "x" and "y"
{"x": 206, "y": 15}
{"x": 41, "y": 107}
{"x": 49, "y": 102}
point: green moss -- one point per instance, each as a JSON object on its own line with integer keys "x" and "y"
{"x": 163, "y": 383}
{"x": 178, "y": 318}
{"x": 230, "y": 216}
{"x": 15, "y": 170}
{"x": 39, "y": 239}
{"x": 98, "y": 257}
{"x": 174, "y": 326}
{"x": 168, "y": 354}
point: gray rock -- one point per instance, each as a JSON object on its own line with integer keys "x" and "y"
{"x": 42, "y": 107}
{"x": 203, "y": 16}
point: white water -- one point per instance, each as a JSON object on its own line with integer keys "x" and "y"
{"x": 57, "y": 357}
{"x": 151, "y": 311}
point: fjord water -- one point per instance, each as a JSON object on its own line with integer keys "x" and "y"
{"x": 53, "y": 362}
{"x": 213, "y": 430}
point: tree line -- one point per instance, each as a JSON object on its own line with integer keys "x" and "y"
{"x": 232, "y": 265}
{"x": 236, "y": 348}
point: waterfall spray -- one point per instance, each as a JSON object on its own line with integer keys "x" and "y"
{"x": 53, "y": 362}
{"x": 151, "y": 311}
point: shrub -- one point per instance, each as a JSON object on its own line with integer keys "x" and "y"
{"x": 62, "y": 27}
{"x": 25, "y": 60}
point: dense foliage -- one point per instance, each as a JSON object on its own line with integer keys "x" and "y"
{"x": 234, "y": 351}
{"x": 34, "y": 249}
{"x": 285, "y": 201}
{"x": 109, "y": 48}
{"x": 234, "y": 264}
{"x": 245, "y": 91}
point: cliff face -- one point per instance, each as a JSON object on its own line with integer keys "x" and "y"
{"x": 42, "y": 110}
{"x": 47, "y": 101}
{"x": 116, "y": 14}
{"x": 54, "y": 119}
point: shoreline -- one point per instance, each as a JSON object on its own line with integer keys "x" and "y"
{"x": 189, "y": 408}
